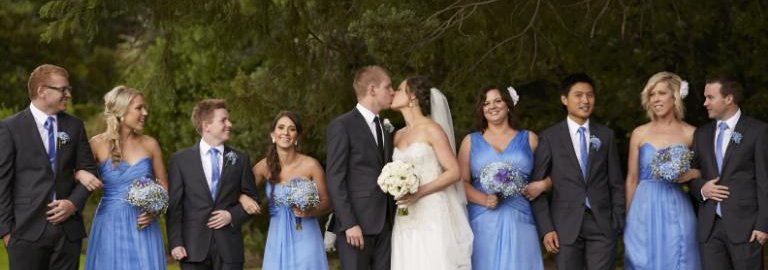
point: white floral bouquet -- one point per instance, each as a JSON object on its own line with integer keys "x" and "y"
{"x": 149, "y": 196}
{"x": 671, "y": 162}
{"x": 302, "y": 193}
{"x": 503, "y": 178}
{"x": 399, "y": 178}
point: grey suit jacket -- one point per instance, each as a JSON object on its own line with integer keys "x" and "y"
{"x": 745, "y": 173}
{"x": 191, "y": 204}
{"x": 353, "y": 166}
{"x": 27, "y": 180}
{"x": 563, "y": 210}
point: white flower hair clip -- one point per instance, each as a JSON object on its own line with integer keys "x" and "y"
{"x": 513, "y": 94}
{"x": 683, "y": 89}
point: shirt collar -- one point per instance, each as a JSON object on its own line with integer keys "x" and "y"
{"x": 367, "y": 114}
{"x": 731, "y": 121}
{"x": 573, "y": 127}
{"x": 205, "y": 147}
{"x": 40, "y": 116}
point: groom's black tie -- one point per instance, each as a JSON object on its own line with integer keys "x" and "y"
{"x": 379, "y": 140}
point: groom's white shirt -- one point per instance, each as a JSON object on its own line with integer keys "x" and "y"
{"x": 205, "y": 157}
{"x": 369, "y": 115}
{"x": 40, "y": 118}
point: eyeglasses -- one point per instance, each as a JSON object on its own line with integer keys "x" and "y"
{"x": 60, "y": 89}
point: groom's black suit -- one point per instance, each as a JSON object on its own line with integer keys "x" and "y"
{"x": 745, "y": 173}
{"x": 191, "y": 205}
{"x": 565, "y": 212}
{"x": 353, "y": 166}
{"x": 27, "y": 183}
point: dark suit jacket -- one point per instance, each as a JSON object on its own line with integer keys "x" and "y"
{"x": 27, "y": 181}
{"x": 353, "y": 166}
{"x": 191, "y": 204}
{"x": 564, "y": 209}
{"x": 745, "y": 173}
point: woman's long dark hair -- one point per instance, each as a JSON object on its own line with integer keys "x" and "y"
{"x": 273, "y": 160}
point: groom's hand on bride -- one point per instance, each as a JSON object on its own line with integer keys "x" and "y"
{"x": 355, "y": 237}
{"x": 219, "y": 219}
{"x": 59, "y": 211}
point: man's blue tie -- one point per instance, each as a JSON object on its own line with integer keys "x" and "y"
{"x": 721, "y": 128}
{"x": 48, "y": 125}
{"x": 584, "y": 154}
{"x": 214, "y": 154}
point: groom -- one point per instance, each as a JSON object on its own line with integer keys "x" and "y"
{"x": 41, "y": 147}
{"x": 206, "y": 180}
{"x": 358, "y": 147}
{"x": 586, "y": 212}
{"x": 732, "y": 154}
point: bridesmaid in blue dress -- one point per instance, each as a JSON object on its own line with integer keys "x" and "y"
{"x": 288, "y": 248}
{"x": 661, "y": 226}
{"x": 504, "y": 229}
{"x": 123, "y": 155}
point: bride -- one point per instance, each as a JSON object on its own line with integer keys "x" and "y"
{"x": 436, "y": 233}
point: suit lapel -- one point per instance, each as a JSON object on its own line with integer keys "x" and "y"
{"x": 196, "y": 164}
{"x": 62, "y": 127}
{"x": 226, "y": 168}
{"x": 593, "y": 131}
{"x": 741, "y": 126}
{"x": 31, "y": 126}
{"x": 361, "y": 124}
{"x": 567, "y": 143}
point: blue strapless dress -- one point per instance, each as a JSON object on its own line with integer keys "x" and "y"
{"x": 661, "y": 226}
{"x": 288, "y": 248}
{"x": 115, "y": 243}
{"x": 505, "y": 237}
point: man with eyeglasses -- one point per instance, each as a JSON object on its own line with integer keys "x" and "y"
{"x": 41, "y": 148}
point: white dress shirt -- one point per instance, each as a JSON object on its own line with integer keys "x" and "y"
{"x": 40, "y": 118}
{"x": 573, "y": 130}
{"x": 368, "y": 115}
{"x": 205, "y": 157}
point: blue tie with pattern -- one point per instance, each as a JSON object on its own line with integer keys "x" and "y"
{"x": 214, "y": 154}
{"x": 48, "y": 125}
{"x": 584, "y": 154}
{"x": 721, "y": 128}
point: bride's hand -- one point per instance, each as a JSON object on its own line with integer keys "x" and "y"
{"x": 688, "y": 176}
{"x": 145, "y": 219}
{"x": 409, "y": 199}
{"x": 491, "y": 201}
{"x": 88, "y": 180}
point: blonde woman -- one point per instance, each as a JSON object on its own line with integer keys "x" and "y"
{"x": 661, "y": 226}
{"x": 123, "y": 155}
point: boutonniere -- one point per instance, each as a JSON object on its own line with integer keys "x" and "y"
{"x": 62, "y": 138}
{"x": 231, "y": 158}
{"x": 388, "y": 126}
{"x": 736, "y": 137}
{"x": 595, "y": 142}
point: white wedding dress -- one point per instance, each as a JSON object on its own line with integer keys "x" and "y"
{"x": 435, "y": 234}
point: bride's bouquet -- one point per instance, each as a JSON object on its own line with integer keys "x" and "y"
{"x": 503, "y": 178}
{"x": 146, "y": 194}
{"x": 399, "y": 178}
{"x": 671, "y": 162}
{"x": 302, "y": 194}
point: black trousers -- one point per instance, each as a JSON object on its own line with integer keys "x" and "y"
{"x": 52, "y": 251}
{"x": 213, "y": 261}
{"x": 721, "y": 254}
{"x": 374, "y": 256}
{"x": 592, "y": 250}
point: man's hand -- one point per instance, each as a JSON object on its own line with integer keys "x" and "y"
{"x": 60, "y": 210}
{"x": 249, "y": 205}
{"x": 761, "y": 237}
{"x": 355, "y": 237}
{"x": 711, "y": 190}
{"x": 7, "y": 239}
{"x": 552, "y": 242}
{"x": 219, "y": 219}
{"x": 88, "y": 180}
{"x": 179, "y": 253}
